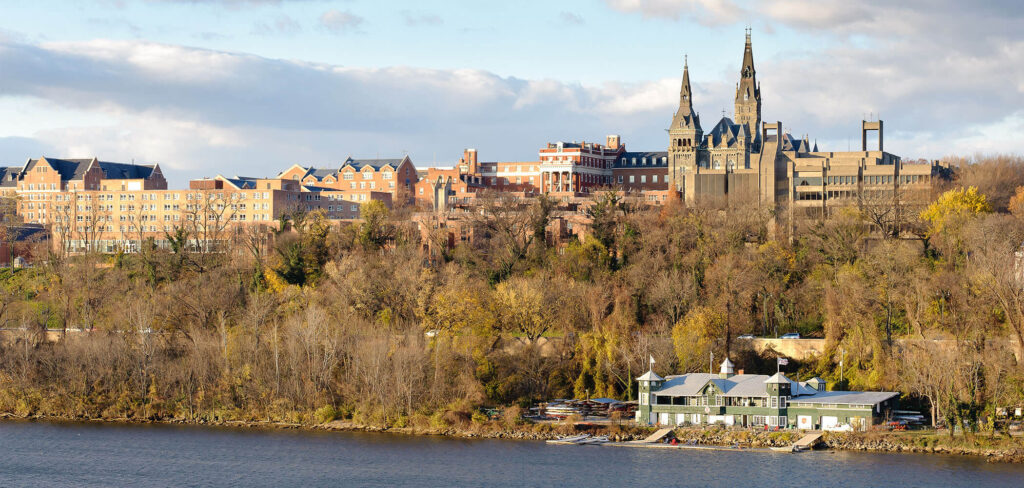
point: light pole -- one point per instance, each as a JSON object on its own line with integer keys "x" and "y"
{"x": 842, "y": 358}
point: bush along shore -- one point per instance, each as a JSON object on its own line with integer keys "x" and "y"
{"x": 993, "y": 448}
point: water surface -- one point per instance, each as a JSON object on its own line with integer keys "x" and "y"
{"x": 70, "y": 454}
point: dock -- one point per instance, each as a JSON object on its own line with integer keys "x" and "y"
{"x": 808, "y": 441}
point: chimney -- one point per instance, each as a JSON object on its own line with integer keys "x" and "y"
{"x": 469, "y": 155}
{"x": 613, "y": 142}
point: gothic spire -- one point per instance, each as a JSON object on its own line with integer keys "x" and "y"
{"x": 685, "y": 116}
{"x": 748, "y": 86}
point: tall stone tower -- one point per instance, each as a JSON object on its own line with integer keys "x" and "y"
{"x": 685, "y": 136}
{"x": 748, "y": 96}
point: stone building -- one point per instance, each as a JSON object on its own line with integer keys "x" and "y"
{"x": 747, "y": 160}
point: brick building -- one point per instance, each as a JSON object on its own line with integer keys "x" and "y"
{"x": 357, "y": 179}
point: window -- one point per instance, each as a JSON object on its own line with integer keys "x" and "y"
{"x": 367, "y": 175}
{"x": 782, "y": 402}
{"x": 632, "y": 179}
{"x": 643, "y": 178}
{"x": 774, "y": 402}
{"x": 347, "y": 175}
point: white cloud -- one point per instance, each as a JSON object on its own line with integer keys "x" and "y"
{"x": 707, "y": 12}
{"x": 279, "y": 25}
{"x": 413, "y": 19}
{"x": 191, "y": 109}
{"x": 935, "y": 69}
{"x": 338, "y": 22}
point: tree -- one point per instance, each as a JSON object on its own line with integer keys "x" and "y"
{"x": 375, "y": 231}
{"x": 524, "y": 306}
{"x": 695, "y": 336}
{"x": 953, "y": 208}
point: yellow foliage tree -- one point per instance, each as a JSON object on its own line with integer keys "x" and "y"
{"x": 694, "y": 336}
{"x": 1017, "y": 203}
{"x": 953, "y": 207}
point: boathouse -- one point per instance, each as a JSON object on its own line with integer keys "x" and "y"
{"x": 754, "y": 400}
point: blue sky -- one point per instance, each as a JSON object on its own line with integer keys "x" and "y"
{"x": 253, "y": 86}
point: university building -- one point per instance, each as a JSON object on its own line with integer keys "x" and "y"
{"x": 754, "y": 400}
{"x": 748, "y": 160}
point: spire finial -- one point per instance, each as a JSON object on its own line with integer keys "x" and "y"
{"x": 686, "y": 61}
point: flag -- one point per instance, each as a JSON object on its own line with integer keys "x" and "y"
{"x": 783, "y": 361}
{"x": 652, "y": 359}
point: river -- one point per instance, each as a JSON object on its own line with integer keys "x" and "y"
{"x": 72, "y": 454}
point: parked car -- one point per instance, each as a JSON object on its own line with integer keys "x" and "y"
{"x": 791, "y": 335}
{"x": 745, "y": 336}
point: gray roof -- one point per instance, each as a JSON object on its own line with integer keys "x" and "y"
{"x": 726, "y": 132}
{"x": 376, "y": 164}
{"x": 650, "y": 375}
{"x": 69, "y": 169}
{"x": 74, "y": 169}
{"x": 9, "y": 176}
{"x": 790, "y": 143}
{"x": 755, "y": 385}
{"x": 654, "y": 158}
{"x": 863, "y": 397}
{"x": 119, "y": 171}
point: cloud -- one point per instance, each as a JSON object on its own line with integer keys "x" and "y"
{"x": 571, "y": 18}
{"x": 413, "y": 19}
{"x": 706, "y": 12}
{"x": 338, "y": 22}
{"x": 185, "y": 107}
{"x": 937, "y": 70}
{"x": 280, "y": 25}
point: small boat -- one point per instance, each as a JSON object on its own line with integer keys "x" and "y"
{"x": 790, "y": 449}
{"x": 594, "y": 440}
{"x": 574, "y": 439}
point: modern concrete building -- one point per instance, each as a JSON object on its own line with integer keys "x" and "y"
{"x": 754, "y": 400}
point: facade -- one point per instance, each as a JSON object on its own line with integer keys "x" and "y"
{"x": 752, "y": 400}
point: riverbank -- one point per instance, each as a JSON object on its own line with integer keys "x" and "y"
{"x": 993, "y": 449}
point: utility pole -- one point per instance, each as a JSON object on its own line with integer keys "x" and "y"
{"x": 842, "y": 358}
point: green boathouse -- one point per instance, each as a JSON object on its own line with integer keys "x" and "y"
{"x": 754, "y": 400}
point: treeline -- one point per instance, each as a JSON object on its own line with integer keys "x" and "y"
{"x": 358, "y": 321}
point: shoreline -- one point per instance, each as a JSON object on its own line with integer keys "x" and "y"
{"x": 877, "y": 442}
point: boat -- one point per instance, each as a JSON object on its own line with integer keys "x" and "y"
{"x": 594, "y": 441}
{"x": 573, "y": 439}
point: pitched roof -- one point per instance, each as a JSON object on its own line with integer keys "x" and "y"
{"x": 650, "y": 375}
{"x": 74, "y": 169}
{"x": 777, "y": 378}
{"x": 754, "y": 385}
{"x": 855, "y": 397}
{"x": 726, "y": 132}
{"x": 9, "y": 176}
{"x": 69, "y": 169}
{"x": 119, "y": 171}
{"x": 376, "y": 164}
{"x": 654, "y": 158}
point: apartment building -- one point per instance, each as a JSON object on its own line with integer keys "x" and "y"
{"x": 361, "y": 177}
{"x": 96, "y": 205}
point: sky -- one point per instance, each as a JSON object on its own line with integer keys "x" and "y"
{"x": 250, "y": 87}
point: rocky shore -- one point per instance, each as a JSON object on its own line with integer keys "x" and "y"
{"x": 999, "y": 449}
